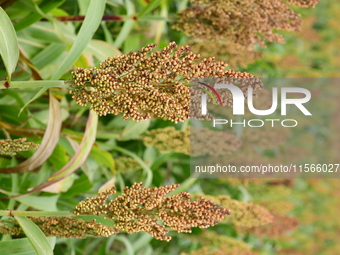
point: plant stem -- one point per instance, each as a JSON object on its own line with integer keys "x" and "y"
{"x": 80, "y": 18}
{"x": 35, "y": 84}
{"x": 35, "y": 213}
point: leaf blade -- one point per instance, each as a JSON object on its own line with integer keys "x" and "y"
{"x": 21, "y": 246}
{"x": 9, "y": 49}
{"x": 91, "y": 23}
{"x": 35, "y": 236}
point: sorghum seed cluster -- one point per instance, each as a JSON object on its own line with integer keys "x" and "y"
{"x": 209, "y": 142}
{"x": 231, "y": 29}
{"x": 242, "y": 22}
{"x": 145, "y": 84}
{"x": 234, "y": 54}
{"x": 126, "y": 165}
{"x": 141, "y": 209}
{"x": 246, "y": 215}
{"x": 9, "y": 146}
{"x": 168, "y": 139}
{"x": 65, "y": 227}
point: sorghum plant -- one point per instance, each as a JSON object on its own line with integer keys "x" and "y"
{"x": 136, "y": 209}
{"x": 242, "y": 22}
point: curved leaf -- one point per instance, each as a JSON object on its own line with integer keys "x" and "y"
{"x": 9, "y": 50}
{"x": 49, "y": 141}
{"x": 45, "y": 6}
{"x": 91, "y": 23}
{"x": 134, "y": 129}
{"x": 77, "y": 160}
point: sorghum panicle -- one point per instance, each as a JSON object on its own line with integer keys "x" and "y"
{"x": 303, "y": 3}
{"x": 126, "y": 165}
{"x": 209, "y": 142}
{"x": 141, "y": 209}
{"x": 65, "y": 227}
{"x": 233, "y": 53}
{"x": 9, "y": 146}
{"x": 242, "y": 22}
{"x": 145, "y": 84}
{"x": 245, "y": 215}
{"x": 168, "y": 139}
{"x": 280, "y": 225}
{"x": 230, "y": 29}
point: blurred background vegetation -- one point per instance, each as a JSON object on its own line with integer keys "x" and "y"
{"x": 270, "y": 216}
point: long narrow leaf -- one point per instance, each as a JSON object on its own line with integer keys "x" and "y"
{"x": 152, "y": 5}
{"x": 45, "y": 7}
{"x": 9, "y": 49}
{"x": 128, "y": 25}
{"x": 91, "y": 23}
{"x": 35, "y": 235}
{"x": 21, "y": 246}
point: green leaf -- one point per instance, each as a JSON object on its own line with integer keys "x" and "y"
{"x": 80, "y": 185}
{"x": 128, "y": 25}
{"x": 102, "y": 157}
{"x": 59, "y": 157}
{"x": 48, "y": 54}
{"x": 91, "y": 23}
{"x": 132, "y": 43}
{"x": 128, "y": 245}
{"x": 146, "y": 168}
{"x": 124, "y": 33}
{"x": 134, "y": 129}
{"x": 150, "y": 155}
{"x": 40, "y": 203}
{"x": 45, "y": 6}
{"x": 9, "y": 50}
{"x": 101, "y": 50}
{"x": 21, "y": 246}
{"x": 35, "y": 236}
{"x": 152, "y": 5}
